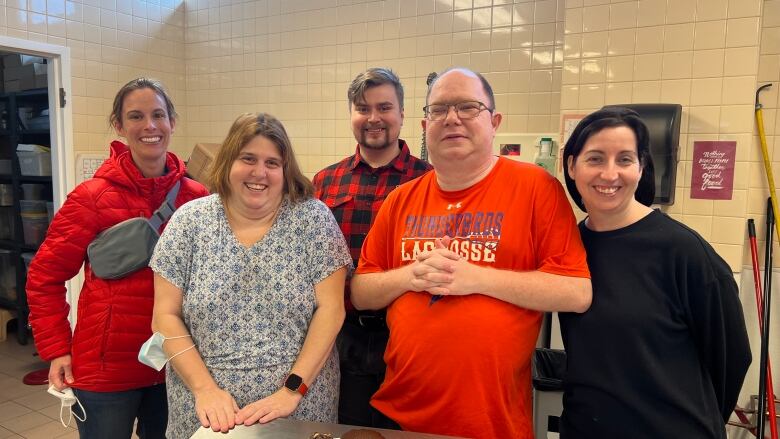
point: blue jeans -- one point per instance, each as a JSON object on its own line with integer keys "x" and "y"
{"x": 112, "y": 414}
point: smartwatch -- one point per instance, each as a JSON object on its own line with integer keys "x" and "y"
{"x": 295, "y": 383}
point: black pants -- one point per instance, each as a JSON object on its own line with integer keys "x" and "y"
{"x": 362, "y": 371}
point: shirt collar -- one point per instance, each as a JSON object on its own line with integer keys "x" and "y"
{"x": 399, "y": 162}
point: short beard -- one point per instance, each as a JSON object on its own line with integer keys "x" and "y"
{"x": 376, "y": 146}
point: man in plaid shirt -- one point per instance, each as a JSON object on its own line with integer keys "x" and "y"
{"x": 354, "y": 189}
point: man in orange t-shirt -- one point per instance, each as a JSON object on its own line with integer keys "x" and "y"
{"x": 465, "y": 258}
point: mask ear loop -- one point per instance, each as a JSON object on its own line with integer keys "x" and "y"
{"x": 171, "y": 338}
{"x": 82, "y": 411}
{"x": 179, "y": 353}
{"x": 72, "y": 414}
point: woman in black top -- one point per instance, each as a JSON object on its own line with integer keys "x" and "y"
{"x": 663, "y": 350}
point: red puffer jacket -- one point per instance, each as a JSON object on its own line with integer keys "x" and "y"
{"x": 114, "y": 316}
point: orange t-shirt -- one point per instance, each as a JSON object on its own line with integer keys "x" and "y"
{"x": 462, "y": 365}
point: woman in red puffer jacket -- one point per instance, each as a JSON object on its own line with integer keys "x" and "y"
{"x": 99, "y": 360}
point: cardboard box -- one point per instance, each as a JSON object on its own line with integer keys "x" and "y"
{"x": 200, "y": 160}
{"x": 18, "y": 60}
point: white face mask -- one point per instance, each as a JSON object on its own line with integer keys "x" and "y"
{"x": 67, "y": 400}
{"x": 152, "y": 353}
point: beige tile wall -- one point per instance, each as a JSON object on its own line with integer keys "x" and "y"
{"x": 111, "y": 41}
{"x": 768, "y": 72}
{"x": 703, "y": 54}
{"x": 296, "y": 58}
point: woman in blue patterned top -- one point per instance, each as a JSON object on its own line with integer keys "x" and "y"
{"x": 254, "y": 274}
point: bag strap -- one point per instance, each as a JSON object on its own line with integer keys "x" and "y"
{"x": 166, "y": 209}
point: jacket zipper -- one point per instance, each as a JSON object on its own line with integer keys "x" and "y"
{"x": 105, "y": 339}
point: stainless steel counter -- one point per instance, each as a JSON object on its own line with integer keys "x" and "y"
{"x": 291, "y": 429}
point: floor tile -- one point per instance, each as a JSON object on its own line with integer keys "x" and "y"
{"x": 18, "y": 390}
{"x": 46, "y": 431}
{"x": 17, "y": 351}
{"x": 72, "y": 434}
{"x": 37, "y": 400}
{"x": 10, "y": 410}
{"x": 52, "y": 411}
{"x": 18, "y": 368}
{"x": 25, "y": 422}
{"x": 7, "y": 434}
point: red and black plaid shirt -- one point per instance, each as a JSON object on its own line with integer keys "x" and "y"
{"x": 354, "y": 191}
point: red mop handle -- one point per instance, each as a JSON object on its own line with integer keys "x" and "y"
{"x": 760, "y": 306}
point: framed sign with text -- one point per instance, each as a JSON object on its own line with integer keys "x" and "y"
{"x": 712, "y": 173}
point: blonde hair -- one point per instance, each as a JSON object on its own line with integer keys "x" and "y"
{"x": 245, "y": 128}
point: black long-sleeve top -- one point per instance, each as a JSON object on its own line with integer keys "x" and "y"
{"x": 663, "y": 351}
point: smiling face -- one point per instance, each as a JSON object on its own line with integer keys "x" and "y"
{"x": 377, "y": 118}
{"x": 146, "y": 125}
{"x": 453, "y": 140}
{"x": 607, "y": 172}
{"x": 256, "y": 178}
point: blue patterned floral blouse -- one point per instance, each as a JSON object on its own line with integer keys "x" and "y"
{"x": 248, "y": 308}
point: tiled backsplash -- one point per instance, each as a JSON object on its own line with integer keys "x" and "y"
{"x": 295, "y": 58}
{"x": 704, "y": 55}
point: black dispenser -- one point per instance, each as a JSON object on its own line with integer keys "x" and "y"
{"x": 663, "y": 123}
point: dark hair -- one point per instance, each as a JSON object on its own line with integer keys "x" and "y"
{"x": 137, "y": 84}
{"x": 245, "y": 128}
{"x": 612, "y": 117}
{"x": 374, "y": 77}
{"x": 491, "y": 103}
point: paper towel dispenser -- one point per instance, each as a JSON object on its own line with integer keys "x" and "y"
{"x": 663, "y": 124}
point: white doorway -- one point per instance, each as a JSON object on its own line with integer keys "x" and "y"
{"x": 58, "y": 83}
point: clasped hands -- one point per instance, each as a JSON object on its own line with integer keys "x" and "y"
{"x": 443, "y": 272}
{"x": 217, "y": 409}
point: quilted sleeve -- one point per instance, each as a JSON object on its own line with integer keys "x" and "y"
{"x": 59, "y": 259}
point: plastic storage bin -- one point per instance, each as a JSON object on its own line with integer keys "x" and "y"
{"x": 7, "y": 223}
{"x": 35, "y": 225}
{"x": 32, "y": 206}
{"x": 33, "y": 191}
{"x": 27, "y": 257}
{"x": 5, "y": 167}
{"x": 6, "y": 195}
{"x": 36, "y": 163}
{"x": 7, "y": 275}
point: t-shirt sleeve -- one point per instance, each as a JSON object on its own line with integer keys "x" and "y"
{"x": 718, "y": 325}
{"x": 172, "y": 257}
{"x": 559, "y": 249}
{"x": 327, "y": 249}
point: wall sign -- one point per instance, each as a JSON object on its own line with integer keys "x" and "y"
{"x": 568, "y": 123}
{"x": 712, "y": 176}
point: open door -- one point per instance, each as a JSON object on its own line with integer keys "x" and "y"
{"x": 35, "y": 158}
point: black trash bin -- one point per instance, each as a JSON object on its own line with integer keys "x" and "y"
{"x": 549, "y": 370}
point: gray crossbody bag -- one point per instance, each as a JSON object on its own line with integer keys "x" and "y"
{"x": 127, "y": 247}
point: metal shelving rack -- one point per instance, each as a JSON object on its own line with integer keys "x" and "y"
{"x": 11, "y": 135}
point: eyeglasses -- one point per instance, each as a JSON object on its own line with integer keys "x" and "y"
{"x": 464, "y": 110}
